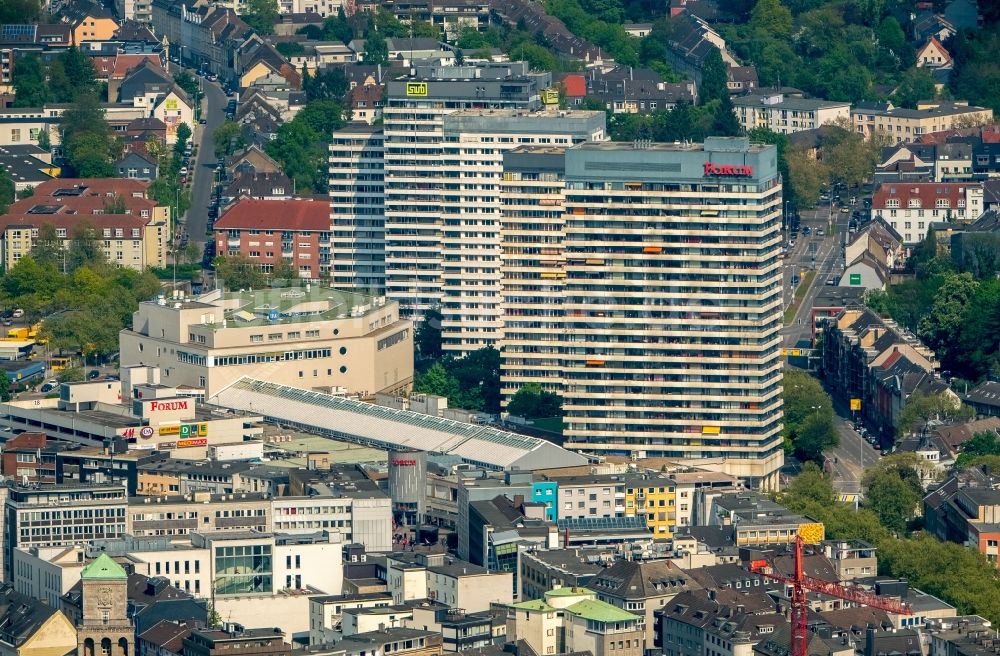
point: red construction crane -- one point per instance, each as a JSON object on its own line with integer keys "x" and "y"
{"x": 800, "y": 607}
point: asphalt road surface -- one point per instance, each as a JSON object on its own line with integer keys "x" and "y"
{"x": 204, "y": 169}
{"x": 851, "y": 458}
{"x": 825, "y": 258}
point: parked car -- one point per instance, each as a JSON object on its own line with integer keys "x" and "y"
{"x": 93, "y": 374}
{"x": 806, "y": 230}
{"x": 820, "y": 232}
{"x": 18, "y": 313}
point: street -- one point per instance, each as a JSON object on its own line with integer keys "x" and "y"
{"x": 203, "y": 172}
{"x": 826, "y": 259}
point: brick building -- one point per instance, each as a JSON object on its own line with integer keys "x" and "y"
{"x": 269, "y": 231}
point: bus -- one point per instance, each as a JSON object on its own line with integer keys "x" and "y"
{"x": 60, "y": 362}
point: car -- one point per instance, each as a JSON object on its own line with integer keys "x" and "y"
{"x": 184, "y": 170}
{"x": 46, "y": 388}
{"x": 7, "y": 322}
{"x": 806, "y": 230}
{"x": 795, "y": 279}
{"x": 17, "y": 313}
{"x": 92, "y": 374}
{"x": 832, "y": 281}
{"x": 111, "y": 378}
{"x": 820, "y": 232}
{"x": 202, "y": 121}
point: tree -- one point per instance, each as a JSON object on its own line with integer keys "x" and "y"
{"x": 917, "y": 84}
{"x": 5, "y": 391}
{"x": 376, "y": 49}
{"x": 943, "y": 324}
{"x": 187, "y": 83}
{"x": 19, "y": 11}
{"x": 30, "y": 87}
{"x": 228, "y": 138}
{"x": 192, "y": 254}
{"x": 48, "y": 248}
{"x": 808, "y": 429}
{"x": 91, "y": 147}
{"x": 921, "y": 408}
{"x": 71, "y": 375}
{"x": 323, "y": 117}
{"x": 7, "y": 190}
{"x": 239, "y": 272}
{"x": 290, "y": 48}
{"x": 337, "y": 28}
{"x": 893, "y": 490}
{"x": 328, "y": 83}
{"x": 848, "y": 157}
{"x": 84, "y": 246}
{"x": 979, "y": 445}
{"x": 892, "y": 38}
{"x": 532, "y": 402}
{"x": 261, "y": 15}
{"x": 771, "y": 17}
{"x": 428, "y": 335}
{"x": 437, "y": 381}
{"x": 80, "y": 69}
{"x": 714, "y": 77}
{"x": 725, "y": 123}
{"x": 806, "y": 177}
{"x": 183, "y": 135}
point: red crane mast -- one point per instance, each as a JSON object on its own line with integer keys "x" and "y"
{"x": 801, "y": 583}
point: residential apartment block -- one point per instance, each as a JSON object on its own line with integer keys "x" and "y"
{"x": 872, "y": 359}
{"x": 357, "y": 208}
{"x": 646, "y": 336}
{"x": 911, "y": 207}
{"x": 909, "y": 124}
{"x": 413, "y": 119}
{"x": 471, "y": 170}
{"x": 966, "y": 509}
{"x": 786, "y": 115}
{"x": 270, "y": 232}
{"x": 130, "y": 227}
{"x": 307, "y": 337}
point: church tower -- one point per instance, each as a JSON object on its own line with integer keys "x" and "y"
{"x": 105, "y": 629}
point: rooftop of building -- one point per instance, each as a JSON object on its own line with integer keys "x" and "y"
{"x": 727, "y": 144}
{"x": 277, "y": 215}
{"x": 277, "y": 305}
{"x": 390, "y": 428}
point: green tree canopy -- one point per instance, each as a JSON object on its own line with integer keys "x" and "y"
{"x": 893, "y": 490}
{"x": 771, "y": 17}
{"x": 921, "y": 408}
{"x": 376, "y": 49}
{"x": 808, "y": 427}
{"x": 532, "y": 402}
{"x": 428, "y": 335}
{"x": 714, "y": 77}
{"x": 90, "y": 145}
{"x": 7, "y": 190}
{"x": 239, "y": 272}
{"x": 980, "y": 445}
{"x": 228, "y": 138}
{"x": 917, "y": 84}
{"x": 261, "y": 15}
{"x": 30, "y": 85}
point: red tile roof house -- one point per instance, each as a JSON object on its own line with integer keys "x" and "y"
{"x": 269, "y": 231}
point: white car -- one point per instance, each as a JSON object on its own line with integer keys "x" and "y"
{"x": 18, "y": 313}
{"x": 184, "y": 170}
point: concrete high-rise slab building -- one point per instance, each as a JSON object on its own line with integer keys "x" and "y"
{"x": 357, "y": 213}
{"x": 415, "y": 190}
{"x": 665, "y": 338}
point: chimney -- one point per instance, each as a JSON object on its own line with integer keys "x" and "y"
{"x": 518, "y": 500}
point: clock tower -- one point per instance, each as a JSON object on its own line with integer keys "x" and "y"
{"x": 105, "y": 628}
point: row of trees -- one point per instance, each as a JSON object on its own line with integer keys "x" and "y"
{"x": 301, "y": 144}
{"x": 955, "y": 314}
{"x": 85, "y": 300}
{"x": 808, "y": 428}
{"x": 969, "y": 581}
{"x": 70, "y": 74}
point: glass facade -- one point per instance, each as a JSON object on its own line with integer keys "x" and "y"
{"x": 244, "y": 569}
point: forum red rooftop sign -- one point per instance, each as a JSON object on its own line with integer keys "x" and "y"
{"x": 728, "y": 170}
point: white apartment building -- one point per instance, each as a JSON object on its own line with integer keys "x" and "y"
{"x": 357, "y": 211}
{"x": 671, "y": 304}
{"x": 326, "y": 613}
{"x": 308, "y": 337}
{"x": 471, "y": 170}
{"x": 911, "y": 207}
{"x": 905, "y": 124}
{"x": 321, "y": 7}
{"x": 785, "y": 115}
{"x": 138, "y": 10}
{"x": 532, "y": 267}
{"x": 414, "y": 193}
